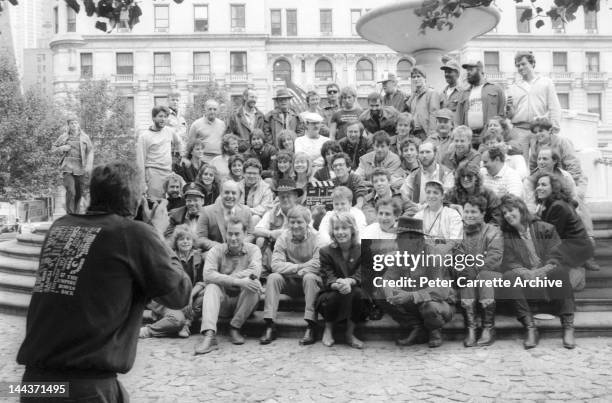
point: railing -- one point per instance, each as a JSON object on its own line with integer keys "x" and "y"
{"x": 163, "y": 78}
{"x": 239, "y": 77}
{"x": 124, "y": 78}
{"x": 594, "y": 76}
{"x": 562, "y": 76}
{"x": 496, "y": 76}
{"x": 201, "y": 77}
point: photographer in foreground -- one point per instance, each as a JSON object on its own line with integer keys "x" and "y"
{"x": 97, "y": 271}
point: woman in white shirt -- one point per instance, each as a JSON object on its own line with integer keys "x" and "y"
{"x": 342, "y": 198}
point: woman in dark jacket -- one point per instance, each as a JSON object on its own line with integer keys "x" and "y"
{"x": 342, "y": 298}
{"x": 556, "y": 207}
{"x": 532, "y": 249}
{"x": 208, "y": 179}
{"x": 468, "y": 183}
{"x": 328, "y": 150}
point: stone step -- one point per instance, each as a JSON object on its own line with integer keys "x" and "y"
{"x": 26, "y": 267}
{"x": 602, "y": 278}
{"x": 15, "y": 303}
{"x": 292, "y": 325}
{"x": 31, "y": 239}
{"x": 16, "y": 282}
{"x": 19, "y": 250}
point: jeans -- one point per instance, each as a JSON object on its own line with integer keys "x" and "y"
{"x": 294, "y": 286}
{"x": 76, "y": 186}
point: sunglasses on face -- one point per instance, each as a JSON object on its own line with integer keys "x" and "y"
{"x": 332, "y": 92}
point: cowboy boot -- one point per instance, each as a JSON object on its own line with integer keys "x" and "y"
{"x": 469, "y": 316}
{"x": 531, "y": 339}
{"x": 567, "y": 321}
{"x": 488, "y": 326}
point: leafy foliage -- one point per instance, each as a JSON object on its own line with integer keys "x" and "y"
{"x": 440, "y": 14}
{"x": 31, "y": 122}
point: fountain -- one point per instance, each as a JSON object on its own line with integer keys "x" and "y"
{"x": 397, "y": 26}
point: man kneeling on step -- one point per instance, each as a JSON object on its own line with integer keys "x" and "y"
{"x": 295, "y": 271}
{"x": 231, "y": 274}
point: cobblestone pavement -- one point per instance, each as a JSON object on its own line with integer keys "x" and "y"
{"x": 167, "y": 371}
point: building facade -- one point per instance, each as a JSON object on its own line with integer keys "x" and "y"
{"x": 259, "y": 44}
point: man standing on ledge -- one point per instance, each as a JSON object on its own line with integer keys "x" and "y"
{"x": 97, "y": 271}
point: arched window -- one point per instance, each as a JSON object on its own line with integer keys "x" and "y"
{"x": 404, "y": 67}
{"x": 281, "y": 70}
{"x": 324, "y": 70}
{"x": 365, "y": 70}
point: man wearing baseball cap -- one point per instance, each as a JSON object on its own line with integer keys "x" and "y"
{"x": 480, "y": 102}
{"x": 393, "y": 96}
{"x": 190, "y": 212}
{"x": 449, "y": 97}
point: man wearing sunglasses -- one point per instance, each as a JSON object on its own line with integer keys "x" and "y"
{"x": 333, "y": 102}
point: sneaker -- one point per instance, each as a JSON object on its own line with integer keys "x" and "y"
{"x": 145, "y": 332}
{"x": 184, "y": 332}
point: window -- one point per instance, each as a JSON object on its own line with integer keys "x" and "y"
{"x": 160, "y": 100}
{"x": 590, "y": 21}
{"x": 162, "y": 22}
{"x": 281, "y": 70}
{"x": 291, "y": 22}
{"x": 558, "y": 25}
{"x": 323, "y": 70}
{"x": 355, "y": 15}
{"x": 201, "y": 62}
{"x": 594, "y": 104}
{"x": 70, "y": 20}
{"x": 592, "y": 62}
{"x": 200, "y": 18}
{"x": 491, "y": 61}
{"x": 326, "y": 21}
{"x": 563, "y": 100}
{"x": 55, "y": 20}
{"x": 275, "y": 23}
{"x": 238, "y": 62}
{"x": 237, "y": 17}
{"x": 559, "y": 62}
{"x": 129, "y": 108}
{"x": 522, "y": 26}
{"x": 161, "y": 63}
{"x": 86, "y": 65}
{"x": 125, "y": 63}
{"x": 365, "y": 70}
{"x": 404, "y": 67}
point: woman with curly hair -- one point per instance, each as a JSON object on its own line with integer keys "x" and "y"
{"x": 235, "y": 165}
{"x": 195, "y": 153}
{"x": 328, "y": 150}
{"x": 286, "y": 140}
{"x": 283, "y": 168}
{"x": 468, "y": 183}
{"x": 229, "y": 147}
{"x": 342, "y": 298}
{"x": 208, "y": 180}
{"x": 171, "y": 322}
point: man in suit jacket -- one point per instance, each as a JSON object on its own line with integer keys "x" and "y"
{"x": 245, "y": 120}
{"x": 211, "y": 227}
{"x": 188, "y": 214}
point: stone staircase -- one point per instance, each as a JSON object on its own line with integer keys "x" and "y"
{"x": 19, "y": 261}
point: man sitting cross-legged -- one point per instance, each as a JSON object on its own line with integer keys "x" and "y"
{"x": 295, "y": 271}
{"x": 231, "y": 274}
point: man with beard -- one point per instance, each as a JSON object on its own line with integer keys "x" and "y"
{"x": 154, "y": 152}
{"x": 172, "y": 187}
{"x": 450, "y": 95}
{"x": 530, "y": 97}
{"x": 210, "y": 129}
{"x": 190, "y": 213}
{"x": 379, "y": 117}
{"x": 479, "y": 103}
{"x": 461, "y": 149}
{"x": 393, "y": 96}
{"x": 282, "y": 117}
{"x": 245, "y": 120}
{"x": 444, "y": 126}
{"x": 413, "y": 188}
{"x": 381, "y": 157}
{"x": 295, "y": 272}
{"x": 212, "y": 223}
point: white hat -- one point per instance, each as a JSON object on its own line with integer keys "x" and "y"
{"x": 312, "y": 117}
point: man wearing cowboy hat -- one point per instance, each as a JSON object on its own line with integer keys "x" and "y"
{"x": 426, "y": 306}
{"x": 281, "y": 118}
{"x": 275, "y": 221}
{"x": 190, "y": 212}
{"x": 393, "y": 96}
{"x": 450, "y": 95}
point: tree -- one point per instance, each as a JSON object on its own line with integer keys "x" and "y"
{"x": 440, "y": 14}
{"x": 211, "y": 90}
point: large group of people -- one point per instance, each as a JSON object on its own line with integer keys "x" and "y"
{"x": 469, "y": 169}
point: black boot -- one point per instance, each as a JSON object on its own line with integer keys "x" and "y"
{"x": 531, "y": 339}
{"x": 488, "y": 326}
{"x": 567, "y": 321}
{"x": 435, "y": 338}
{"x": 469, "y": 316}
{"x": 416, "y": 336}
